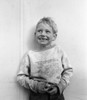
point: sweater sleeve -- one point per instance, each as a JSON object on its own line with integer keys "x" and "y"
{"x": 23, "y": 75}
{"x": 67, "y": 72}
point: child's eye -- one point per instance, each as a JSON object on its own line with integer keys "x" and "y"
{"x": 39, "y": 30}
{"x": 47, "y": 31}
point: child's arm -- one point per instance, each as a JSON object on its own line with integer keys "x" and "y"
{"x": 66, "y": 74}
{"x": 23, "y": 76}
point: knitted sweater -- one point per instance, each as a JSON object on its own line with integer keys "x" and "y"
{"x": 51, "y": 66}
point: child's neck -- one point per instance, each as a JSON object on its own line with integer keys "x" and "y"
{"x": 43, "y": 47}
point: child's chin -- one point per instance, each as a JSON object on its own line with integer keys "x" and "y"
{"x": 43, "y": 43}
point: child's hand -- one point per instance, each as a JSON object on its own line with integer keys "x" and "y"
{"x": 51, "y": 89}
{"x": 33, "y": 85}
{"x": 41, "y": 87}
{"x": 37, "y": 86}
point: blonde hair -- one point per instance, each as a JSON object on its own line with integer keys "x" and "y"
{"x": 50, "y": 22}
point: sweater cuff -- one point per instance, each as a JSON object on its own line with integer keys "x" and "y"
{"x": 62, "y": 85}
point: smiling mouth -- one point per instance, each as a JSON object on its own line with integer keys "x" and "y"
{"x": 43, "y": 38}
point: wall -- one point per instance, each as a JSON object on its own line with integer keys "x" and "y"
{"x": 10, "y": 49}
{"x": 17, "y": 21}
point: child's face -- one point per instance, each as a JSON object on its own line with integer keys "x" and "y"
{"x": 44, "y": 34}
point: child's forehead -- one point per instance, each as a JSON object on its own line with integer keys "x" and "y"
{"x": 43, "y": 24}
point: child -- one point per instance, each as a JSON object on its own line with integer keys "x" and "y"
{"x": 45, "y": 72}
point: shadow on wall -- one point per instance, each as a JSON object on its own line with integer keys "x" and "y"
{"x": 31, "y": 43}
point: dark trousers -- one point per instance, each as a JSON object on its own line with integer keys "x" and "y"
{"x": 45, "y": 96}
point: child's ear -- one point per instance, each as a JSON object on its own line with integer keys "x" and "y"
{"x": 54, "y": 36}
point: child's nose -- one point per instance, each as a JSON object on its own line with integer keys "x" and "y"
{"x": 43, "y": 33}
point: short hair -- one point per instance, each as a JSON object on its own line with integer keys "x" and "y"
{"x": 50, "y": 22}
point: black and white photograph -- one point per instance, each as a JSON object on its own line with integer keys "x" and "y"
{"x": 43, "y": 50}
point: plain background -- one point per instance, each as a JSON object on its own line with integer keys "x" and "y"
{"x": 17, "y": 21}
